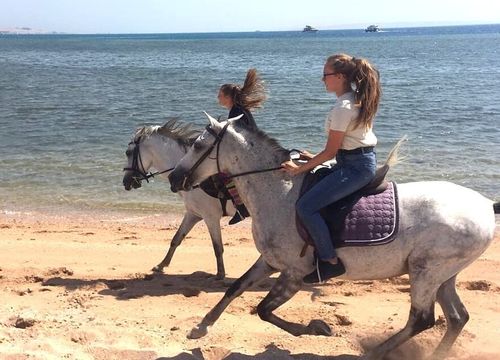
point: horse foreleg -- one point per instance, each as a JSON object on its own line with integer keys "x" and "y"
{"x": 455, "y": 313}
{"x": 213, "y": 226}
{"x": 258, "y": 272}
{"x": 283, "y": 290}
{"x": 187, "y": 224}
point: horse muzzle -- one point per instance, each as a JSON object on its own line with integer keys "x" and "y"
{"x": 131, "y": 182}
{"x": 179, "y": 181}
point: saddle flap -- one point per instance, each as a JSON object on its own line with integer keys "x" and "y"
{"x": 215, "y": 187}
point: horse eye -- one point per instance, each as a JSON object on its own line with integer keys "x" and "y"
{"x": 197, "y": 146}
{"x": 128, "y": 152}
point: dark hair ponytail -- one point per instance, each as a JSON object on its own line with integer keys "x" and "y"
{"x": 252, "y": 95}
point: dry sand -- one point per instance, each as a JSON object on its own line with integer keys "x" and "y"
{"x": 78, "y": 286}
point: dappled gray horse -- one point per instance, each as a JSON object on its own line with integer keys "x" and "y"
{"x": 160, "y": 148}
{"x": 443, "y": 228}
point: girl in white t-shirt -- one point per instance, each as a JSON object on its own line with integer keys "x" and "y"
{"x": 351, "y": 141}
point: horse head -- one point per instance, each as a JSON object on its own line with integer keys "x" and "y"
{"x": 139, "y": 160}
{"x": 158, "y": 147}
{"x": 202, "y": 158}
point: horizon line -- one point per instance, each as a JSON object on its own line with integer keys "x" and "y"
{"x": 12, "y": 30}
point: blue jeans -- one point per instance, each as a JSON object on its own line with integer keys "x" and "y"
{"x": 351, "y": 173}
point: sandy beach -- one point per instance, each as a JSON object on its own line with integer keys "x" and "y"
{"x": 79, "y": 286}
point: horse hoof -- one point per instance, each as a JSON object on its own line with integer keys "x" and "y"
{"x": 319, "y": 327}
{"x": 157, "y": 269}
{"x": 197, "y": 333}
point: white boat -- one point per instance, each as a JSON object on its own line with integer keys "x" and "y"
{"x": 372, "y": 28}
{"x": 309, "y": 28}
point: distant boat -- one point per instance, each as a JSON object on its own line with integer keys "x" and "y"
{"x": 372, "y": 28}
{"x": 309, "y": 28}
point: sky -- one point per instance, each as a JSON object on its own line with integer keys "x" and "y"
{"x": 186, "y": 16}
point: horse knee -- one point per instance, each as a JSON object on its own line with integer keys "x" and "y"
{"x": 421, "y": 320}
{"x": 263, "y": 312}
{"x": 458, "y": 319}
{"x": 236, "y": 288}
{"x": 177, "y": 240}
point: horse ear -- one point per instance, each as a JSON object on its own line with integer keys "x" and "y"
{"x": 235, "y": 118}
{"x": 213, "y": 121}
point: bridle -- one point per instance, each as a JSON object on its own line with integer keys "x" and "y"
{"x": 216, "y": 143}
{"x": 137, "y": 161}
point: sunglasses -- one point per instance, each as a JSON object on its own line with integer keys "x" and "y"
{"x": 328, "y": 74}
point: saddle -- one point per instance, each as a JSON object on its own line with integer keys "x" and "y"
{"x": 368, "y": 217}
{"x": 214, "y": 187}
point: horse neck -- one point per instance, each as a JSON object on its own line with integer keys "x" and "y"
{"x": 263, "y": 193}
{"x": 270, "y": 198}
{"x": 166, "y": 152}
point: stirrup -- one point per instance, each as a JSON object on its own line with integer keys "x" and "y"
{"x": 237, "y": 217}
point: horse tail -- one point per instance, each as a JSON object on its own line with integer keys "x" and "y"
{"x": 392, "y": 158}
{"x": 496, "y": 207}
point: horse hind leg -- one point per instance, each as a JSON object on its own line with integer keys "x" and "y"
{"x": 424, "y": 287}
{"x": 455, "y": 313}
{"x": 187, "y": 224}
{"x": 283, "y": 290}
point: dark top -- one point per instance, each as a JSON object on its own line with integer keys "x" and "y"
{"x": 247, "y": 118}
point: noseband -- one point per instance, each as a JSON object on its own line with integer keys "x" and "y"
{"x": 137, "y": 160}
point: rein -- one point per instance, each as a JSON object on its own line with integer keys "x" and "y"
{"x": 137, "y": 160}
{"x": 217, "y": 141}
{"x": 254, "y": 172}
{"x": 294, "y": 155}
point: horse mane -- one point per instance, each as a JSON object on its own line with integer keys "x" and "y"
{"x": 273, "y": 143}
{"x": 184, "y": 134}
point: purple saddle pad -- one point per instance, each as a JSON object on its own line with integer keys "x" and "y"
{"x": 373, "y": 220}
{"x": 361, "y": 220}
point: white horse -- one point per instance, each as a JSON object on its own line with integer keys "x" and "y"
{"x": 443, "y": 228}
{"x": 161, "y": 147}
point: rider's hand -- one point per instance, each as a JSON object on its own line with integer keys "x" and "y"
{"x": 290, "y": 167}
{"x": 305, "y": 155}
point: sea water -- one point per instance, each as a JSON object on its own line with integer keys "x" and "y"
{"x": 69, "y": 104}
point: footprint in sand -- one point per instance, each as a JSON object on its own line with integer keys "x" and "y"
{"x": 22, "y": 322}
{"x": 58, "y": 271}
{"x": 481, "y": 285}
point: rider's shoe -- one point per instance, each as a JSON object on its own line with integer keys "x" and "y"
{"x": 241, "y": 214}
{"x": 324, "y": 270}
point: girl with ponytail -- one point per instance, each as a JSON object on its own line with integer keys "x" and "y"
{"x": 240, "y": 100}
{"x": 351, "y": 141}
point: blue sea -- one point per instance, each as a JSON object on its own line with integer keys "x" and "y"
{"x": 69, "y": 104}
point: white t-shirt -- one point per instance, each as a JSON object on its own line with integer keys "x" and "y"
{"x": 342, "y": 117}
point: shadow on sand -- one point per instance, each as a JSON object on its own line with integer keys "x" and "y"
{"x": 140, "y": 285}
{"x": 148, "y": 285}
{"x": 271, "y": 353}
{"x": 411, "y": 350}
